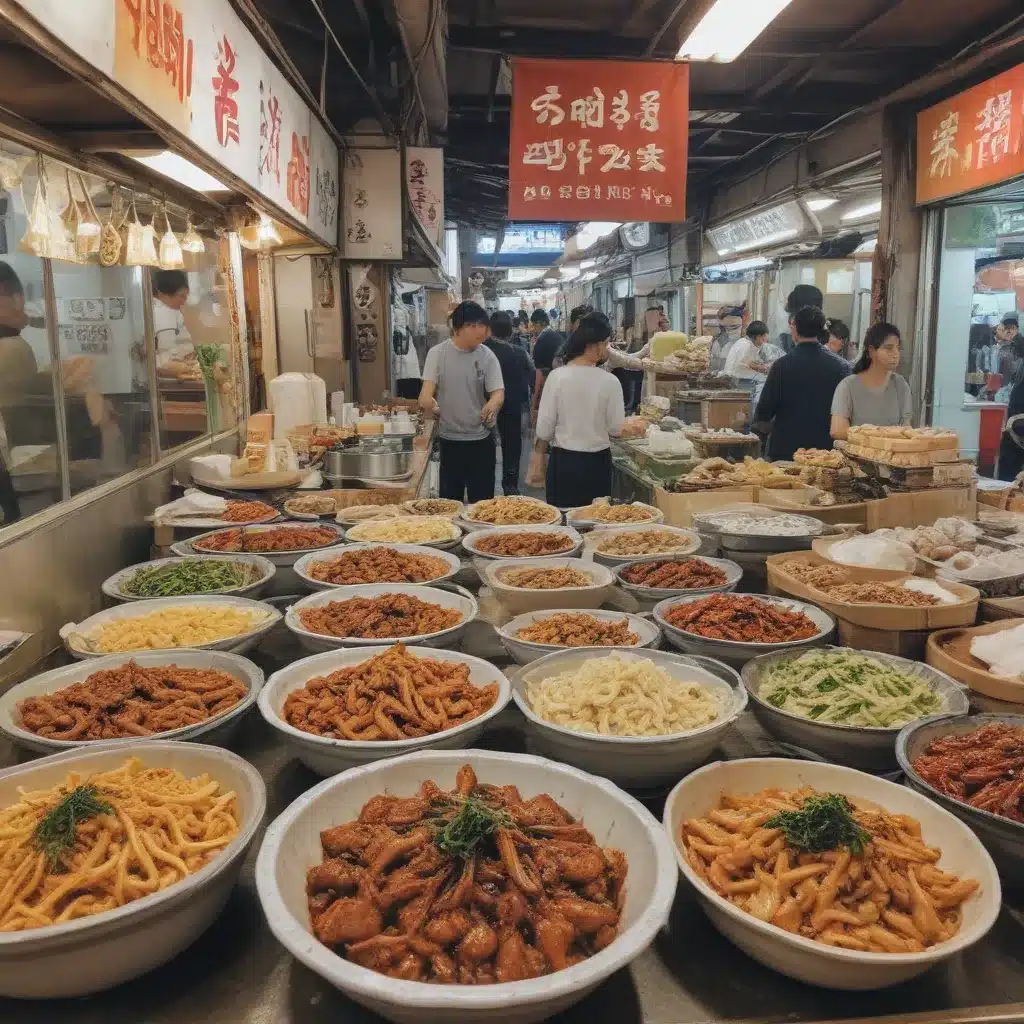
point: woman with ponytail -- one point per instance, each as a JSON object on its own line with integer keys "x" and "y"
{"x": 874, "y": 392}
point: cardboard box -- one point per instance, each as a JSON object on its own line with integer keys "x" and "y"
{"x": 904, "y": 644}
{"x": 795, "y": 500}
{"x": 921, "y": 508}
{"x": 680, "y": 509}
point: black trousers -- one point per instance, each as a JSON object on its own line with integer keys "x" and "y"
{"x": 510, "y": 430}
{"x": 575, "y": 479}
{"x": 632, "y": 384}
{"x": 467, "y": 468}
{"x": 408, "y": 388}
{"x": 8, "y": 497}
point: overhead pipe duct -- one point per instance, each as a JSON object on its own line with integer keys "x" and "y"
{"x": 423, "y": 26}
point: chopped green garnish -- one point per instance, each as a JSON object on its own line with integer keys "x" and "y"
{"x": 827, "y": 684}
{"x": 57, "y": 833}
{"x": 823, "y": 823}
{"x": 464, "y": 831}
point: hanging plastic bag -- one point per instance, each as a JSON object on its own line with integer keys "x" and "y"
{"x": 134, "y": 256}
{"x": 171, "y": 257}
{"x": 192, "y": 241}
{"x": 47, "y": 235}
{"x": 81, "y": 219}
{"x": 111, "y": 242}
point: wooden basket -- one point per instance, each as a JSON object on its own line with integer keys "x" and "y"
{"x": 969, "y": 670}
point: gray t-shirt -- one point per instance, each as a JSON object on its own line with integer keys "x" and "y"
{"x": 884, "y": 407}
{"x": 464, "y": 379}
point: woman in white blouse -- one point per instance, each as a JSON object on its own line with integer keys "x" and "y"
{"x": 580, "y": 409}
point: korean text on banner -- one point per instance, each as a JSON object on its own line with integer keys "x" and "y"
{"x": 972, "y": 140}
{"x": 598, "y": 140}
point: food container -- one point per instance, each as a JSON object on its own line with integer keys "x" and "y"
{"x": 735, "y": 652}
{"x": 469, "y": 524}
{"x": 471, "y": 542}
{"x": 263, "y": 566}
{"x": 369, "y": 460}
{"x": 234, "y": 644}
{"x": 280, "y": 558}
{"x": 352, "y": 534}
{"x": 327, "y": 756}
{"x": 457, "y": 598}
{"x": 302, "y": 566}
{"x": 733, "y": 572}
{"x": 1003, "y": 838}
{"x": 689, "y": 542}
{"x": 869, "y": 749}
{"x": 220, "y": 729}
{"x": 958, "y": 662}
{"x": 573, "y": 519}
{"x": 95, "y": 953}
{"x": 292, "y": 843}
{"x": 525, "y": 652}
{"x": 639, "y": 763}
{"x": 731, "y": 539}
{"x": 516, "y": 600}
{"x": 802, "y": 958}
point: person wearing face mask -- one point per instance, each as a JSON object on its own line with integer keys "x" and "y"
{"x": 874, "y": 392}
{"x": 175, "y": 351}
{"x": 463, "y": 387}
{"x": 580, "y": 410}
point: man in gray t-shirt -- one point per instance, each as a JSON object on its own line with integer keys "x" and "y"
{"x": 463, "y": 387}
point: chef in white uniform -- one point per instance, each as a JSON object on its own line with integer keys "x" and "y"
{"x": 175, "y": 351}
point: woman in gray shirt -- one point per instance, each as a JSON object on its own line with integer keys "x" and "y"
{"x": 874, "y": 393}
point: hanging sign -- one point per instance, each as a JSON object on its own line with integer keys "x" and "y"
{"x": 424, "y": 183}
{"x": 972, "y": 140}
{"x": 598, "y": 140}
{"x": 196, "y": 66}
{"x": 372, "y": 221}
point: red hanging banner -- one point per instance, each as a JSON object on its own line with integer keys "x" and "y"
{"x": 598, "y": 140}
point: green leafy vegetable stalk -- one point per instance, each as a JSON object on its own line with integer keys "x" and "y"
{"x": 465, "y": 830}
{"x": 56, "y": 835}
{"x": 823, "y": 823}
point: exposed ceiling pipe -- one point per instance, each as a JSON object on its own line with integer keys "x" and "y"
{"x": 423, "y": 25}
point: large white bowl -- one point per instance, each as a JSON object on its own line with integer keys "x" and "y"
{"x": 516, "y": 600}
{"x": 218, "y": 729}
{"x": 633, "y": 762}
{"x": 463, "y": 602}
{"x": 803, "y": 958}
{"x": 292, "y": 846}
{"x": 279, "y": 558}
{"x": 302, "y": 566}
{"x": 572, "y": 517}
{"x": 136, "y": 609}
{"x": 470, "y": 525}
{"x": 472, "y": 541}
{"x": 266, "y": 569}
{"x": 352, "y": 533}
{"x": 99, "y": 952}
{"x": 654, "y": 595}
{"x": 329, "y": 756}
{"x": 689, "y": 542}
{"x": 524, "y": 651}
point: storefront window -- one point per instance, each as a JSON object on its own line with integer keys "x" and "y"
{"x": 981, "y": 282}
{"x": 30, "y": 478}
{"x": 101, "y": 333}
{"x": 192, "y": 335}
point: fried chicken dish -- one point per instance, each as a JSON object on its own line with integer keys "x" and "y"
{"x": 741, "y": 619}
{"x": 667, "y": 574}
{"x": 379, "y": 565}
{"x": 387, "y": 617}
{"x": 280, "y": 538}
{"x": 131, "y": 700}
{"x": 525, "y": 544}
{"x": 545, "y": 579}
{"x": 579, "y": 630}
{"x": 392, "y": 696}
{"x": 470, "y": 886}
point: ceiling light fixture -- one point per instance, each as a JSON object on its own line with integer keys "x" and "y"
{"x": 779, "y": 236}
{"x": 754, "y": 263}
{"x": 820, "y": 203}
{"x": 865, "y": 211}
{"x": 178, "y": 169}
{"x": 266, "y": 233}
{"x": 729, "y": 28}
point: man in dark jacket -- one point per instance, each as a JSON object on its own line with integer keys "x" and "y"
{"x": 518, "y": 373}
{"x": 802, "y": 295}
{"x": 797, "y": 395}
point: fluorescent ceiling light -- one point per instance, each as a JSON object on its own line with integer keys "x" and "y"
{"x": 779, "y": 236}
{"x": 753, "y": 263}
{"x": 178, "y": 169}
{"x": 820, "y": 203}
{"x": 861, "y": 212}
{"x": 729, "y": 28}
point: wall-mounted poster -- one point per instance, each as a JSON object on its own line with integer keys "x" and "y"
{"x": 424, "y": 182}
{"x": 372, "y": 220}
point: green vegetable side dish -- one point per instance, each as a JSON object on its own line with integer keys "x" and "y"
{"x": 56, "y": 835}
{"x": 823, "y": 823}
{"x": 192, "y": 576}
{"x": 846, "y": 688}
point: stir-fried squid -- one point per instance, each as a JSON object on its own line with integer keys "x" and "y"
{"x": 468, "y": 886}
{"x": 819, "y": 867}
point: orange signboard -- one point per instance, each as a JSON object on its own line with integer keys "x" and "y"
{"x": 972, "y": 140}
{"x": 598, "y": 140}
